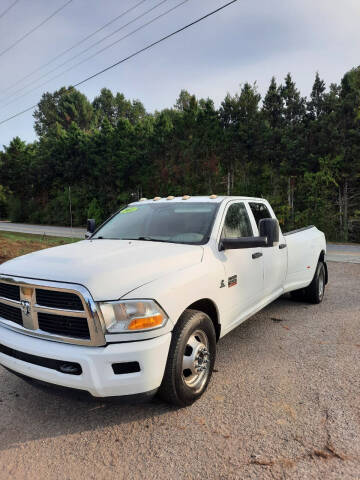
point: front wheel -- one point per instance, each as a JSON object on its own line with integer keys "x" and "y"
{"x": 191, "y": 359}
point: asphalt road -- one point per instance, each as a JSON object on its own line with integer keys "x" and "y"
{"x": 49, "y": 230}
{"x": 340, "y": 252}
{"x": 283, "y": 404}
{"x": 336, "y": 252}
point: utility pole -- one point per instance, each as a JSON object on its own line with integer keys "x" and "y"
{"x": 291, "y": 188}
{"x": 70, "y": 207}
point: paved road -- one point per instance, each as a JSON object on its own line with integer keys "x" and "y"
{"x": 49, "y": 230}
{"x": 348, "y": 253}
{"x": 283, "y": 404}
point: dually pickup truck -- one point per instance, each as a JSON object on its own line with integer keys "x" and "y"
{"x": 138, "y": 306}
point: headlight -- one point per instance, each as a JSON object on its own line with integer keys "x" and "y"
{"x": 132, "y": 315}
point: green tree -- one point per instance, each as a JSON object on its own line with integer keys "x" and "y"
{"x": 302, "y": 154}
{"x": 117, "y": 107}
{"x": 349, "y": 171}
{"x": 63, "y": 107}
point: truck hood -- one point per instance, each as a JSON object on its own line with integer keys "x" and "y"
{"x": 109, "y": 269}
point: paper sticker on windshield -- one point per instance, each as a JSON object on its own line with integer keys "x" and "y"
{"x": 129, "y": 210}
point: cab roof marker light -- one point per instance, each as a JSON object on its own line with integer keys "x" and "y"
{"x": 156, "y": 199}
{"x": 170, "y": 197}
{"x": 212, "y": 197}
{"x": 186, "y": 197}
{"x": 142, "y": 199}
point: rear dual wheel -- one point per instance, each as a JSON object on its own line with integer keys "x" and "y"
{"x": 314, "y": 293}
{"x": 191, "y": 359}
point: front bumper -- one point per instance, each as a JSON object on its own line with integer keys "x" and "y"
{"x": 97, "y": 377}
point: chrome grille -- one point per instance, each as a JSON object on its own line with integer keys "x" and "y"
{"x": 60, "y": 312}
{"x": 61, "y": 300}
{"x": 10, "y": 291}
{"x": 11, "y": 313}
{"x": 76, "y": 327}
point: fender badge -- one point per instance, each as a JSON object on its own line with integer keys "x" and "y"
{"x": 232, "y": 281}
{"x": 222, "y": 284}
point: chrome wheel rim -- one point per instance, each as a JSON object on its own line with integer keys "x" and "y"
{"x": 196, "y": 361}
{"x": 321, "y": 284}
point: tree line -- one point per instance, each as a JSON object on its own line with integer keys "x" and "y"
{"x": 303, "y": 154}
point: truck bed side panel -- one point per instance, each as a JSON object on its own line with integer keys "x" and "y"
{"x": 304, "y": 247}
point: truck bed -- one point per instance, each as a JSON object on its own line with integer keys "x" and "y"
{"x": 303, "y": 247}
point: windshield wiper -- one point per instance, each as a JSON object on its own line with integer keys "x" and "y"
{"x": 147, "y": 239}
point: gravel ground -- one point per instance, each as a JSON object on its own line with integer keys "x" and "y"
{"x": 283, "y": 403}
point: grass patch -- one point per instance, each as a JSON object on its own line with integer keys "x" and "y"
{"x": 14, "y": 244}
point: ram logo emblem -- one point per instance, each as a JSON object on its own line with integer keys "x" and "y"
{"x": 25, "y": 307}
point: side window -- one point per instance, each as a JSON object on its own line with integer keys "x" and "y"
{"x": 259, "y": 211}
{"x": 237, "y": 222}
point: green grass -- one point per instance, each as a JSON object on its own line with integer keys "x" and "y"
{"x": 13, "y": 244}
{"x": 30, "y": 237}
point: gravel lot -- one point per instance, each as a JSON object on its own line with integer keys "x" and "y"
{"x": 284, "y": 403}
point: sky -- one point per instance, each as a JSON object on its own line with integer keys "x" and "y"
{"x": 249, "y": 41}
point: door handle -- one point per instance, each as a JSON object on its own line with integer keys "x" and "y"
{"x": 256, "y": 255}
{"x": 282, "y": 245}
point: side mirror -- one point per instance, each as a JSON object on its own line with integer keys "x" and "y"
{"x": 269, "y": 227}
{"x": 91, "y": 226}
{"x": 242, "y": 242}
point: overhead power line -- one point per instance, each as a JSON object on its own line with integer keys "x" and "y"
{"x": 123, "y": 60}
{"x": 130, "y": 33}
{"x": 67, "y": 50}
{"x": 8, "y": 9}
{"x": 77, "y": 55}
{"x": 98, "y": 52}
{"x": 35, "y": 28}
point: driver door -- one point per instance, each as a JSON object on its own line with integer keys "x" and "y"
{"x": 243, "y": 266}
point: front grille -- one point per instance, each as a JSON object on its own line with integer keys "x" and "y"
{"x": 10, "y": 291}
{"x": 60, "y": 300}
{"x": 11, "y": 313}
{"x": 57, "y": 311}
{"x": 76, "y": 327}
{"x": 41, "y": 361}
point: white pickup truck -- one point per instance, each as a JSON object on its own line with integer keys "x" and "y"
{"x": 139, "y": 305}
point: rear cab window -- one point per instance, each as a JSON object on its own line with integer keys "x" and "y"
{"x": 260, "y": 211}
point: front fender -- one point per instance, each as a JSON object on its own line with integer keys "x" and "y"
{"x": 176, "y": 291}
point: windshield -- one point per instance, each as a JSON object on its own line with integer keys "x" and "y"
{"x": 176, "y": 222}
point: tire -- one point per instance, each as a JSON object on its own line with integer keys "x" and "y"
{"x": 314, "y": 293}
{"x": 298, "y": 295}
{"x": 191, "y": 359}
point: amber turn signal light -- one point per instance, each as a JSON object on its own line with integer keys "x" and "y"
{"x": 147, "y": 322}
